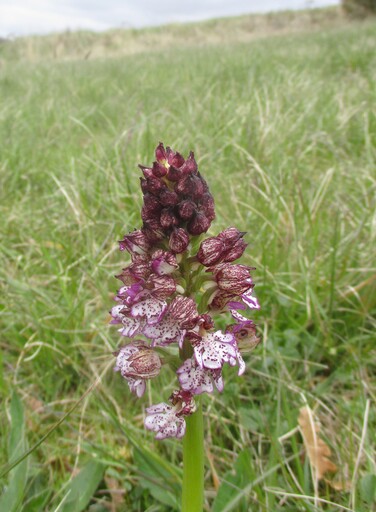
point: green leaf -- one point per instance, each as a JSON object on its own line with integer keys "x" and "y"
{"x": 82, "y": 487}
{"x": 368, "y": 488}
{"x": 233, "y": 482}
{"x": 13, "y": 495}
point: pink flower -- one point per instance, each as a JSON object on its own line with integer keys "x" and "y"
{"x": 198, "y": 380}
{"x": 163, "y": 420}
{"x": 168, "y": 420}
{"x": 214, "y": 349}
{"x": 181, "y": 314}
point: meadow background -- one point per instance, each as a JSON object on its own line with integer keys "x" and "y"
{"x": 280, "y": 112}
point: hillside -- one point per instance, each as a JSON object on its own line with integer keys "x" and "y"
{"x": 83, "y": 45}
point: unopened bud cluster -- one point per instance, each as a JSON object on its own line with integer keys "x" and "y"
{"x": 173, "y": 288}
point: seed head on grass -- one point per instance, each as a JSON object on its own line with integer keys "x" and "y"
{"x": 175, "y": 286}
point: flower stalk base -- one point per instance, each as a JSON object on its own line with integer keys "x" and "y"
{"x": 193, "y": 463}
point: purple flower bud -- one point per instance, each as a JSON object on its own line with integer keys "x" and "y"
{"x": 186, "y": 209}
{"x": 226, "y": 247}
{"x": 198, "y": 224}
{"x": 236, "y": 251}
{"x": 135, "y": 243}
{"x": 173, "y": 174}
{"x": 168, "y": 198}
{"x": 184, "y": 311}
{"x": 151, "y": 208}
{"x": 174, "y": 159}
{"x": 190, "y": 165}
{"x": 146, "y": 171}
{"x": 168, "y": 219}
{"x": 211, "y": 251}
{"x": 139, "y": 269}
{"x": 220, "y": 300}
{"x": 207, "y": 203}
{"x": 185, "y": 186}
{"x": 153, "y": 185}
{"x": 232, "y": 278}
{"x": 160, "y": 153}
{"x": 153, "y": 230}
{"x": 199, "y": 186}
{"x": 179, "y": 240}
{"x": 159, "y": 170}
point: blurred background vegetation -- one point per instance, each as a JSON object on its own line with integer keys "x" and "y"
{"x": 280, "y": 111}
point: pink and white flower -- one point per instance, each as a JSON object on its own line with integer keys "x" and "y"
{"x": 168, "y": 420}
{"x": 198, "y": 380}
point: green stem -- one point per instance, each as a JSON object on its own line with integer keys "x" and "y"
{"x": 193, "y": 463}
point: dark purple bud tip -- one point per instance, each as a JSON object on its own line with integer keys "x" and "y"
{"x": 160, "y": 153}
{"x": 190, "y": 165}
{"x": 177, "y": 160}
{"x": 159, "y": 170}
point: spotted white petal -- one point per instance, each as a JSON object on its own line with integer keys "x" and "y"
{"x": 215, "y": 349}
{"x": 164, "y": 332}
{"x": 198, "y": 380}
{"x": 130, "y": 326}
{"x": 137, "y": 386}
{"x": 163, "y": 420}
{"x": 150, "y": 308}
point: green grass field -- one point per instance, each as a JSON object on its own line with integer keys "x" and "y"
{"x": 284, "y": 130}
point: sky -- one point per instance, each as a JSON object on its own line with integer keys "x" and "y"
{"x": 23, "y": 17}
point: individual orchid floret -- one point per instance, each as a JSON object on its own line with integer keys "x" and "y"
{"x": 213, "y": 349}
{"x": 137, "y": 362}
{"x": 232, "y": 278}
{"x": 163, "y": 420}
{"x": 135, "y": 243}
{"x": 138, "y": 270}
{"x": 181, "y": 315}
{"x": 226, "y": 247}
{"x": 149, "y": 308}
{"x": 245, "y": 333}
{"x": 168, "y": 420}
{"x": 198, "y": 380}
{"x": 164, "y": 262}
{"x": 179, "y": 240}
{"x": 129, "y": 326}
